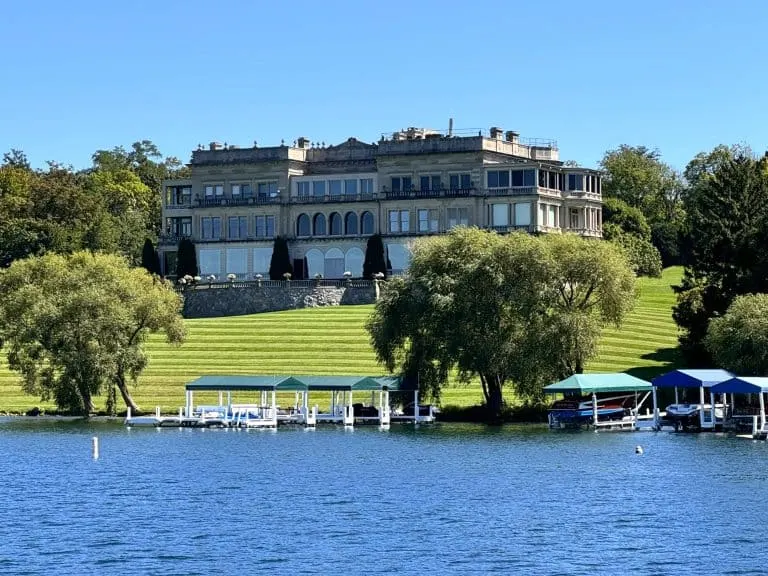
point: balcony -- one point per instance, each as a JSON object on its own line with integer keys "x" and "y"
{"x": 217, "y": 201}
{"x": 171, "y": 239}
{"x": 416, "y": 194}
{"x": 516, "y": 191}
{"x": 508, "y": 229}
{"x": 182, "y": 206}
{"x": 333, "y": 199}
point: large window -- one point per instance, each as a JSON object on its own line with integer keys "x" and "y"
{"x": 523, "y": 214}
{"x": 575, "y": 182}
{"x": 211, "y": 228}
{"x": 241, "y": 191}
{"x": 334, "y": 188}
{"x": 500, "y": 214}
{"x": 523, "y": 178}
{"x": 350, "y": 223}
{"x": 212, "y": 190}
{"x": 318, "y": 188}
{"x": 457, "y": 217}
{"x": 401, "y": 183}
{"x": 430, "y": 182}
{"x": 237, "y": 227}
{"x": 178, "y": 195}
{"x": 350, "y": 187}
{"x": 178, "y": 226}
{"x": 303, "y": 227}
{"x": 460, "y": 181}
{"x": 265, "y": 226}
{"x": 318, "y": 224}
{"x": 428, "y": 220}
{"x": 335, "y": 224}
{"x": 399, "y": 221}
{"x": 366, "y": 186}
{"x": 366, "y": 223}
{"x": 553, "y": 219}
{"x": 574, "y": 218}
{"x": 303, "y": 189}
{"x": 498, "y": 179}
{"x": 267, "y": 189}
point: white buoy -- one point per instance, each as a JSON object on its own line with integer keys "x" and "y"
{"x": 638, "y": 449}
{"x": 95, "y": 447}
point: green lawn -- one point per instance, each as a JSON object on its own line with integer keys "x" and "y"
{"x": 333, "y": 341}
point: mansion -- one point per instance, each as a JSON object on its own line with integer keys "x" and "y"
{"x": 327, "y": 200}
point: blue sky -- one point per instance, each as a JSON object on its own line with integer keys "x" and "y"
{"x": 681, "y": 76}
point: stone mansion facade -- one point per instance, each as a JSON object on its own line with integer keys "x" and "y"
{"x": 328, "y": 200}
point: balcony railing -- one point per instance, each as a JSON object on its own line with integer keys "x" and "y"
{"x": 171, "y": 239}
{"x": 441, "y": 193}
{"x": 513, "y": 228}
{"x": 330, "y": 199}
{"x": 516, "y": 191}
{"x": 215, "y": 201}
{"x": 182, "y": 206}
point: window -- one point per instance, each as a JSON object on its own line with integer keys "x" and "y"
{"x": 401, "y": 184}
{"x": 542, "y": 214}
{"x": 498, "y": 179}
{"x": 366, "y": 186}
{"x": 236, "y": 190}
{"x": 460, "y": 181}
{"x": 575, "y": 182}
{"x": 211, "y": 228}
{"x": 523, "y": 214}
{"x": 553, "y": 178}
{"x": 318, "y": 188}
{"x": 428, "y": 220}
{"x": 366, "y": 223}
{"x": 552, "y": 221}
{"x": 303, "y": 189}
{"x": 267, "y": 189}
{"x": 500, "y": 214}
{"x": 318, "y": 225}
{"x": 430, "y": 183}
{"x": 209, "y": 191}
{"x": 543, "y": 178}
{"x": 399, "y": 221}
{"x": 334, "y": 223}
{"x": 458, "y": 217}
{"x": 237, "y": 228}
{"x": 523, "y": 178}
{"x": 334, "y": 187}
{"x": 350, "y": 223}
{"x": 574, "y": 223}
{"x": 219, "y": 189}
{"x": 265, "y": 226}
{"x": 350, "y": 187}
{"x": 186, "y": 226}
{"x": 303, "y": 227}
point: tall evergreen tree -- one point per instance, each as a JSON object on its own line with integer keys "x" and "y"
{"x": 375, "y": 258}
{"x": 280, "y": 263}
{"x": 727, "y": 220}
{"x": 186, "y": 259}
{"x": 149, "y": 258}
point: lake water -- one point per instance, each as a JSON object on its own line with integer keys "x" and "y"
{"x": 445, "y": 499}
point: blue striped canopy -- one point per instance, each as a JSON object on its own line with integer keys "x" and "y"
{"x": 692, "y": 378}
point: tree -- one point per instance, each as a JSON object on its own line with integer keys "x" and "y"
{"x": 643, "y": 256}
{"x": 738, "y": 340}
{"x": 727, "y": 228}
{"x": 74, "y": 326}
{"x": 375, "y": 259}
{"x": 186, "y": 259}
{"x": 149, "y": 258}
{"x": 513, "y": 309}
{"x": 280, "y": 264}
{"x": 628, "y": 218}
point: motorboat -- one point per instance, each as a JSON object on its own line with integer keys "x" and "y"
{"x": 581, "y": 410}
{"x": 684, "y": 416}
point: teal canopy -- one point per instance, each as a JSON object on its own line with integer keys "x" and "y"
{"x": 595, "y": 383}
{"x": 295, "y": 383}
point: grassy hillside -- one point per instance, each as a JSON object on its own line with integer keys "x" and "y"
{"x": 333, "y": 341}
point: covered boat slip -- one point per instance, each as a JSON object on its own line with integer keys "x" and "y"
{"x": 740, "y": 418}
{"x": 264, "y": 411}
{"x": 699, "y": 414}
{"x": 603, "y": 401}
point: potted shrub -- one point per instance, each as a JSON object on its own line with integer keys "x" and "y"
{"x": 287, "y": 276}
{"x": 231, "y": 278}
{"x": 348, "y": 276}
{"x": 318, "y": 278}
{"x": 258, "y": 278}
{"x": 211, "y": 279}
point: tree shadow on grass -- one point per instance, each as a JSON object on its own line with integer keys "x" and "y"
{"x": 669, "y": 357}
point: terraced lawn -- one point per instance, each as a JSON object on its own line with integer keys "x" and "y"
{"x": 334, "y": 341}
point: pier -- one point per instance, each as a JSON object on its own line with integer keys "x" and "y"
{"x": 263, "y": 410}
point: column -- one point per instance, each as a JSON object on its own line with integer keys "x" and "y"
{"x": 655, "y": 409}
{"x": 594, "y": 409}
{"x": 274, "y": 407}
{"x": 701, "y": 402}
{"x": 762, "y": 413}
{"x": 416, "y": 406}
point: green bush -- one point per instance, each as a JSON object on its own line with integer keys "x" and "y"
{"x": 642, "y": 255}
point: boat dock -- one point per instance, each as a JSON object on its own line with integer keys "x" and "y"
{"x": 264, "y": 412}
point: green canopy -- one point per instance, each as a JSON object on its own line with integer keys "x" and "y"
{"x": 220, "y": 382}
{"x": 295, "y": 383}
{"x": 589, "y": 383}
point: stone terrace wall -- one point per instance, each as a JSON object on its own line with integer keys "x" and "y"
{"x": 238, "y": 298}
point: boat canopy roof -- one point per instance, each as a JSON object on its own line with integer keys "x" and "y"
{"x": 692, "y": 378}
{"x": 596, "y": 383}
{"x": 294, "y": 383}
{"x": 742, "y": 385}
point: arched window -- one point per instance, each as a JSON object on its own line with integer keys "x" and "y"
{"x": 350, "y": 224}
{"x": 366, "y": 223}
{"x": 302, "y": 226}
{"x": 315, "y": 262}
{"x": 353, "y": 261}
{"x": 334, "y": 263}
{"x": 318, "y": 224}
{"x": 334, "y": 224}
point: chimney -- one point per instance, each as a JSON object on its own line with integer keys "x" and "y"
{"x": 496, "y": 133}
{"x": 450, "y": 127}
{"x": 512, "y": 136}
{"x": 214, "y": 146}
{"x": 303, "y": 142}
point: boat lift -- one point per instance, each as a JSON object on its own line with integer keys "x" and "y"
{"x": 704, "y": 381}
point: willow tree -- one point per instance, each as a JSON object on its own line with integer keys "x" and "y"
{"x": 738, "y": 340}
{"x": 74, "y": 326}
{"x": 509, "y": 310}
